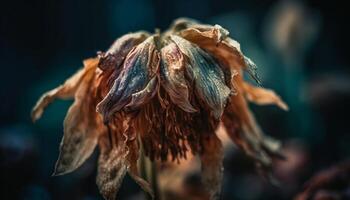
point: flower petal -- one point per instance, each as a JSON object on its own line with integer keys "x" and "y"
{"x": 144, "y": 96}
{"x": 247, "y": 135}
{"x": 64, "y": 91}
{"x": 215, "y": 40}
{"x": 208, "y": 77}
{"x": 82, "y": 126}
{"x": 116, "y": 54}
{"x": 111, "y": 171}
{"x": 139, "y": 67}
{"x": 263, "y": 96}
{"x": 172, "y": 71}
{"x": 212, "y": 164}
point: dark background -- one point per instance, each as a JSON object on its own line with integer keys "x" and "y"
{"x": 301, "y": 48}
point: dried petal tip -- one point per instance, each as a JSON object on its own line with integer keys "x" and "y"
{"x": 252, "y": 69}
{"x": 220, "y": 33}
{"x": 116, "y": 54}
{"x": 263, "y": 96}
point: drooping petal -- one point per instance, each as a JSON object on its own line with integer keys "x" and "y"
{"x": 263, "y": 96}
{"x": 212, "y": 164}
{"x": 116, "y": 54}
{"x": 252, "y": 69}
{"x": 208, "y": 77}
{"x": 247, "y": 135}
{"x": 139, "y": 68}
{"x": 215, "y": 40}
{"x": 65, "y": 91}
{"x": 172, "y": 73}
{"x": 144, "y": 96}
{"x": 82, "y": 126}
{"x": 111, "y": 171}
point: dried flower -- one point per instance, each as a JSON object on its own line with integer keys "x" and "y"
{"x": 165, "y": 94}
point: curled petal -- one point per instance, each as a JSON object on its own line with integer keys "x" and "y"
{"x": 144, "y": 96}
{"x": 65, "y": 91}
{"x": 252, "y": 69}
{"x": 216, "y": 31}
{"x": 215, "y": 40}
{"x": 263, "y": 96}
{"x": 82, "y": 127}
{"x": 208, "y": 77}
{"x": 172, "y": 71}
{"x": 139, "y": 68}
{"x": 116, "y": 54}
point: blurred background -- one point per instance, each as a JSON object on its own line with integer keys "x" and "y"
{"x": 301, "y": 48}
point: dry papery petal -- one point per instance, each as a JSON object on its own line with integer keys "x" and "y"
{"x": 208, "y": 77}
{"x": 112, "y": 168}
{"x": 263, "y": 96}
{"x": 82, "y": 126}
{"x": 215, "y": 40}
{"x": 140, "y": 66}
{"x": 119, "y": 154}
{"x": 246, "y": 134}
{"x": 116, "y": 54}
{"x": 172, "y": 73}
{"x": 65, "y": 91}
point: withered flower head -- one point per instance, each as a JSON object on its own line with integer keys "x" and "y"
{"x": 165, "y": 94}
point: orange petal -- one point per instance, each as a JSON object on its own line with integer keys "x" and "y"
{"x": 263, "y": 96}
{"x": 65, "y": 91}
{"x": 82, "y": 126}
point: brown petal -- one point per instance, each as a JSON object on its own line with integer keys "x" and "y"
{"x": 111, "y": 172}
{"x": 116, "y": 54}
{"x": 82, "y": 126}
{"x": 209, "y": 80}
{"x": 212, "y": 164}
{"x": 210, "y": 31}
{"x": 246, "y": 134}
{"x": 65, "y": 91}
{"x": 142, "y": 97}
{"x": 215, "y": 40}
{"x": 172, "y": 71}
{"x": 263, "y": 96}
{"x": 140, "y": 66}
